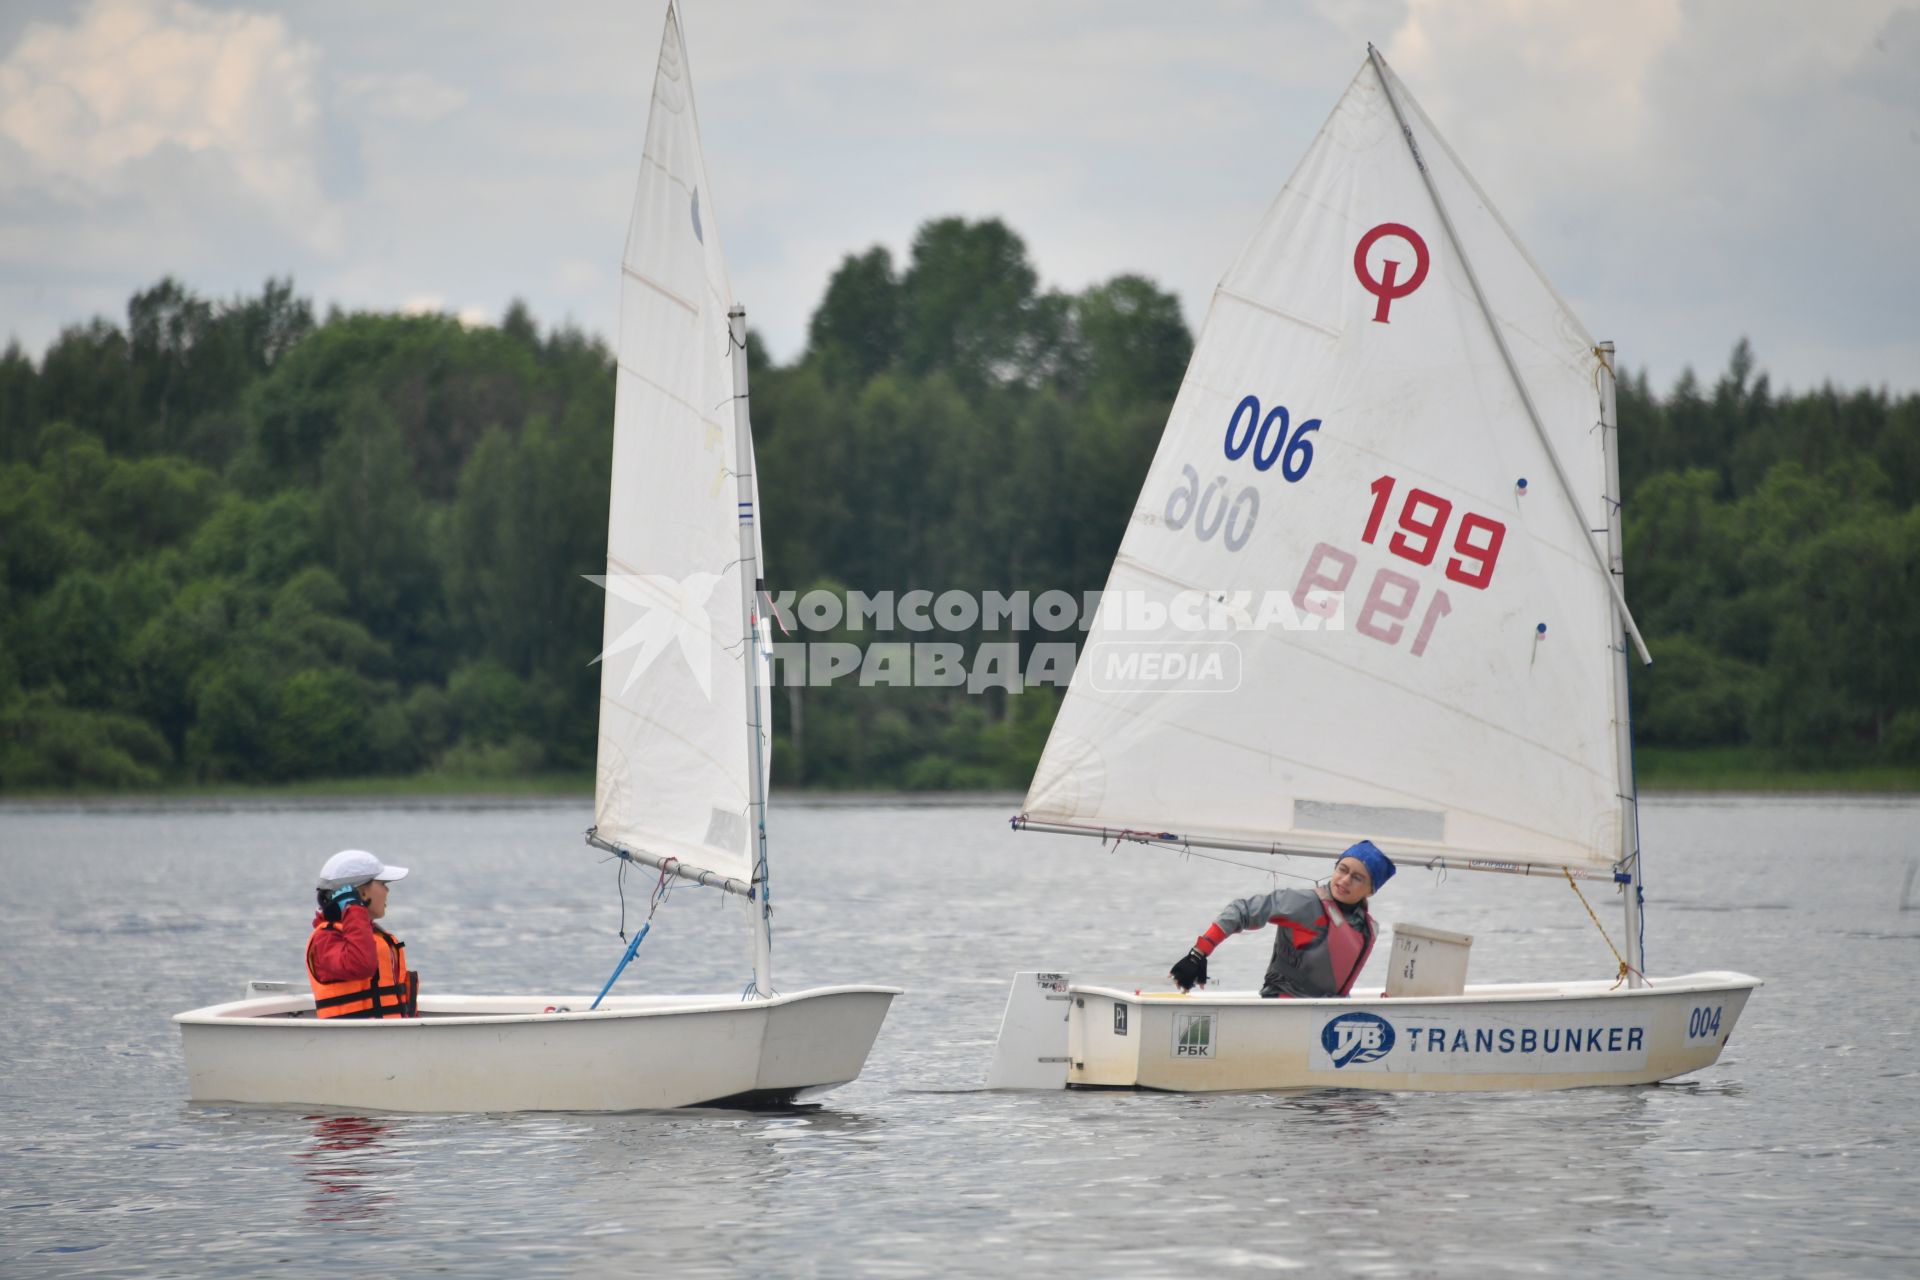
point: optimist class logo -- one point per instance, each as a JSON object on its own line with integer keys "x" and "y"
{"x": 1387, "y": 287}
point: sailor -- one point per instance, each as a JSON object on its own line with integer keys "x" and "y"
{"x": 358, "y": 969}
{"x": 1324, "y": 935}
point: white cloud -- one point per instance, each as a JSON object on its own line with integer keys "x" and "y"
{"x": 411, "y": 96}
{"x": 90, "y": 105}
{"x": 1686, "y": 171}
{"x": 1537, "y": 96}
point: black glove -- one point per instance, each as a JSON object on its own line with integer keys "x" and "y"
{"x": 345, "y": 896}
{"x": 1190, "y": 970}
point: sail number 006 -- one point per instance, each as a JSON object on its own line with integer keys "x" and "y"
{"x": 1268, "y": 441}
{"x": 1269, "y": 438}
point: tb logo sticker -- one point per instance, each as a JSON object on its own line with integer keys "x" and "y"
{"x": 1355, "y": 1038}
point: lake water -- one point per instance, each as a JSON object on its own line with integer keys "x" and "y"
{"x": 1795, "y": 1154}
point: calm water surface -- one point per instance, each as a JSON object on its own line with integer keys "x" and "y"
{"x": 1796, "y": 1154}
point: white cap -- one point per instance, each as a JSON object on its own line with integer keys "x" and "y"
{"x": 356, "y": 866}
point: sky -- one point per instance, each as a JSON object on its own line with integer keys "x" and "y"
{"x": 1686, "y": 173}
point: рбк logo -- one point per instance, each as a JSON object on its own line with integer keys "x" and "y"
{"x": 1354, "y": 1038}
{"x": 1193, "y": 1035}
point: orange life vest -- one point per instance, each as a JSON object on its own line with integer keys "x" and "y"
{"x": 391, "y": 993}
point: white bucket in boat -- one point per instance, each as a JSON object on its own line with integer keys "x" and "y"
{"x": 1427, "y": 962}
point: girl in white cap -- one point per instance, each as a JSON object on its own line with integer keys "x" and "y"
{"x": 358, "y": 969}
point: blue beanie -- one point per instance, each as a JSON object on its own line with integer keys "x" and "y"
{"x": 1379, "y": 866}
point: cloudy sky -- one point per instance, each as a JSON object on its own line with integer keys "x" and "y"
{"x": 1686, "y": 173}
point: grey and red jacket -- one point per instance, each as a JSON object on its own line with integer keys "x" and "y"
{"x": 1305, "y": 964}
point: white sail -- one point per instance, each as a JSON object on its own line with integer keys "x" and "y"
{"x": 1438, "y": 719}
{"x": 674, "y": 751}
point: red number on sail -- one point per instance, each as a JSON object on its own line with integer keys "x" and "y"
{"x": 1423, "y": 523}
{"x": 1428, "y": 528}
{"x": 1483, "y": 554}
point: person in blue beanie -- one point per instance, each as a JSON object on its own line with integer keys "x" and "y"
{"x": 1324, "y": 938}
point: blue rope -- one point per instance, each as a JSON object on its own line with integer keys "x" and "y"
{"x": 661, "y": 887}
{"x": 620, "y": 968}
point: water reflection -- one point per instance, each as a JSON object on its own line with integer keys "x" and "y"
{"x": 342, "y": 1168}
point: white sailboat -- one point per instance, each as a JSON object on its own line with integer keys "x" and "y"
{"x": 1395, "y": 443}
{"x": 682, "y": 761}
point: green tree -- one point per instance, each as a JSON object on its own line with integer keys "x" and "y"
{"x": 1134, "y": 343}
{"x": 373, "y": 532}
{"x": 19, "y": 405}
{"x": 319, "y": 725}
{"x": 970, "y": 306}
{"x": 856, "y": 331}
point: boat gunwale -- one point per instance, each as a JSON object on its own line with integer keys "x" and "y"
{"x": 271, "y": 1011}
{"x": 1582, "y": 990}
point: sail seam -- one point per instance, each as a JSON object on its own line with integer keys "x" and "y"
{"x": 1232, "y": 295}
{"x": 692, "y": 408}
{"x": 634, "y": 274}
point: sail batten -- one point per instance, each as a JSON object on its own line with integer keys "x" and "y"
{"x": 1356, "y": 436}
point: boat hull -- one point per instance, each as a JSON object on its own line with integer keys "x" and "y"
{"x": 1491, "y": 1038}
{"x": 536, "y": 1053}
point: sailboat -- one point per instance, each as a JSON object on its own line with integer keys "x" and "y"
{"x": 1371, "y": 589}
{"x": 682, "y": 767}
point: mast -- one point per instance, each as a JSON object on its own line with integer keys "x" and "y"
{"x": 750, "y": 587}
{"x": 1622, "y": 714}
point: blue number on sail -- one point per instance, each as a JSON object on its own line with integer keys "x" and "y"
{"x": 1270, "y": 443}
{"x": 1251, "y": 408}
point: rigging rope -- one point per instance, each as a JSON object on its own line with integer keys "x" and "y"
{"x": 1625, "y": 968}
{"x": 661, "y": 888}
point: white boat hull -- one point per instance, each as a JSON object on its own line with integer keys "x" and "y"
{"x": 510, "y": 1053}
{"x": 1493, "y": 1037}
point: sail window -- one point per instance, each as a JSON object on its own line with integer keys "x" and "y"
{"x": 1369, "y": 819}
{"x": 726, "y": 830}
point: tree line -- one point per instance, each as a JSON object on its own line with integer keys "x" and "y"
{"x": 242, "y": 543}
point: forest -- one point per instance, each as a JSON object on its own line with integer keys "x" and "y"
{"x": 241, "y": 543}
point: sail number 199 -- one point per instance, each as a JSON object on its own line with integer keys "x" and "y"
{"x": 1423, "y": 521}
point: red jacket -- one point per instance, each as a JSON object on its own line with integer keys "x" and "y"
{"x": 345, "y": 954}
{"x": 359, "y": 970}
